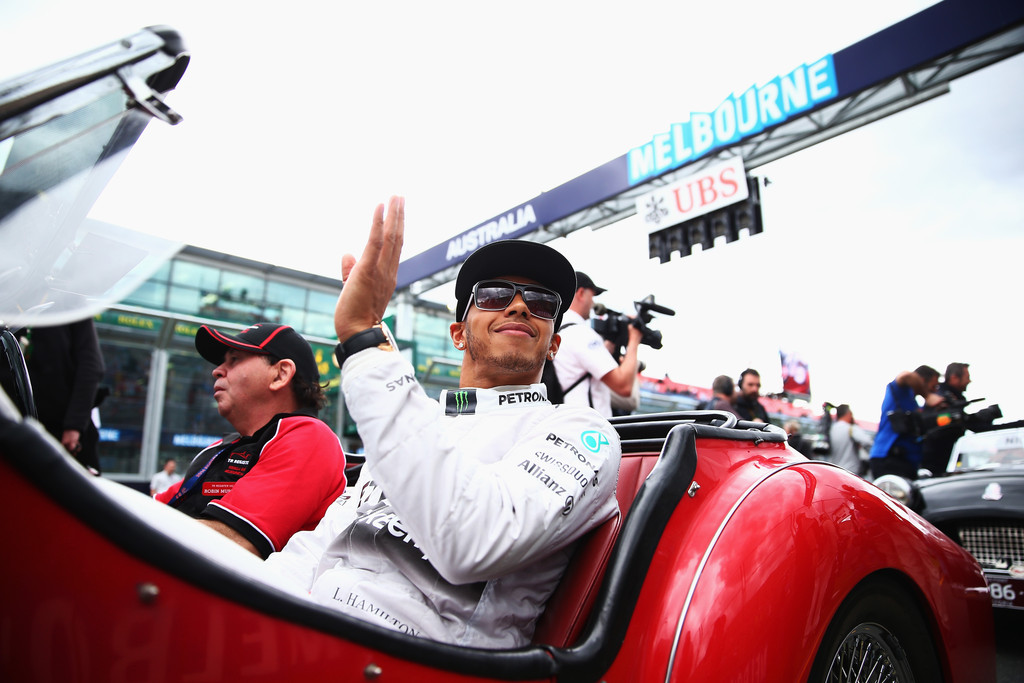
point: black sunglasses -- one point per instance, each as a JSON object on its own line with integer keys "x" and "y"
{"x": 496, "y": 295}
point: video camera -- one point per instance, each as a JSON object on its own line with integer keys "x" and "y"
{"x": 920, "y": 423}
{"x": 615, "y": 326}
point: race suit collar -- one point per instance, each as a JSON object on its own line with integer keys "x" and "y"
{"x": 471, "y": 401}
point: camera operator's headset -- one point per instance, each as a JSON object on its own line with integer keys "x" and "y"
{"x": 748, "y": 371}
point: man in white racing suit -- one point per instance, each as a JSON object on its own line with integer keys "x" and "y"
{"x": 468, "y": 508}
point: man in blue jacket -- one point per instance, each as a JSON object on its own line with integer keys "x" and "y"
{"x": 900, "y": 453}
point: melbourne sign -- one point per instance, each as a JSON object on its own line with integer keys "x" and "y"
{"x": 873, "y": 61}
{"x": 739, "y": 116}
{"x": 695, "y": 195}
{"x": 736, "y": 118}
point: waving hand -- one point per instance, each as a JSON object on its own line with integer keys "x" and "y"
{"x": 370, "y": 281}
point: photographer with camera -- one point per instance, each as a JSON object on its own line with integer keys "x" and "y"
{"x": 896, "y": 450}
{"x": 937, "y": 442}
{"x": 587, "y": 372}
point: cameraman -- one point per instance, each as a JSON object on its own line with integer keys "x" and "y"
{"x": 892, "y": 452}
{"x": 938, "y": 444}
{"x": 583, "y": 356}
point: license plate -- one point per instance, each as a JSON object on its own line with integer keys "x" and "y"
{"x": 1005, "y": 592}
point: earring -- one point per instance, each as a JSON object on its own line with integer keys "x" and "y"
{"x": 459, "y": 345}
{"x": 551, "y": 356}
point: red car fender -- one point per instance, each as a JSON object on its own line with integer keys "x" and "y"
{"x": 725, "y": 469}
{"x": 752, "y": 569}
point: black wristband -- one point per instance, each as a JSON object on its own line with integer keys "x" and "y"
{"x": 371, "y": 337}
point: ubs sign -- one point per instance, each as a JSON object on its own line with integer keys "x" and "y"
{"x": 695, "y": 195}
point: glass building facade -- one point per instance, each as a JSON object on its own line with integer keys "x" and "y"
{"x": 161, "y": 391}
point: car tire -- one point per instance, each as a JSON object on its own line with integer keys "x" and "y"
{"x": 877, "y": 634}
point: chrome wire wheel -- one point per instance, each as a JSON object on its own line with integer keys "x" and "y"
{"x": 880, "y": 633}
{"x": 870, "y": 653}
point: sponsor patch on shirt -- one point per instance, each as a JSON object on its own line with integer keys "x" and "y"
{"x": 217, "y": 488}
{"x": 460, "y": 402}
{"x": 594, "y": 440}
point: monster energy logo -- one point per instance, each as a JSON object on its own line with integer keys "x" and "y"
{"x": 461, "y": 402}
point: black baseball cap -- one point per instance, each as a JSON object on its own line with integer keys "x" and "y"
{"x": 518, "y": 258}
{"x": 583, "y": 280}
{"x": 268, "y": 339}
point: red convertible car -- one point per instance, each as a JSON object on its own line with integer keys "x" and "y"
{"x": 734, "y": 557}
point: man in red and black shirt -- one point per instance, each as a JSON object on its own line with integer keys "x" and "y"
{"x": 285, "y": 466}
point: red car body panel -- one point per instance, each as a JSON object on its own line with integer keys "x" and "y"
{"x": 745, "y": 579}
{"x": 72, "y": 611}
{"x": 801, "y": 536}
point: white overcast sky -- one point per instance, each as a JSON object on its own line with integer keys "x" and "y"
{"x": 891, "y": 246}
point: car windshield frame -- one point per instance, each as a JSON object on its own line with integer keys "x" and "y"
{"x": 998, "y": 449}
{"x": 64, "y": 131}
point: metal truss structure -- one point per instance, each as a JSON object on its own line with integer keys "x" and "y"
{"x": 902, "y": 91}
